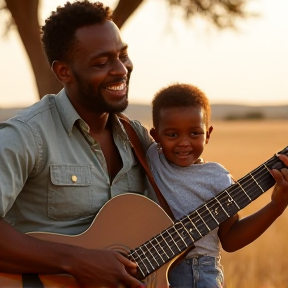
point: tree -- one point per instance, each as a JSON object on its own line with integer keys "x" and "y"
{"x": 222, "y": 13}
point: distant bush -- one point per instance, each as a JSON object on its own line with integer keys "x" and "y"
{"x": 254, "y": 115}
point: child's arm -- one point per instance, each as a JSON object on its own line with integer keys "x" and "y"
{"x": 235, "y": 233}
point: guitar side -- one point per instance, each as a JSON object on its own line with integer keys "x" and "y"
{"x": 124, "y": 223}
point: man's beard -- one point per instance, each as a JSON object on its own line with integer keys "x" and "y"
{"x": 95, "y": 102}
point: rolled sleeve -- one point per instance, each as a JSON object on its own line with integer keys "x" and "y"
{"x": 17, "y": 160}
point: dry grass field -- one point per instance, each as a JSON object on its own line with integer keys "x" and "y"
{"x": 242, "y": 146}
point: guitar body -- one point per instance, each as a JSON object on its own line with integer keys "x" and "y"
{"x": 136, "y": 219}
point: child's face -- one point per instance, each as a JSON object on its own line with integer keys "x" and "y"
{"x": 182, "y": 134}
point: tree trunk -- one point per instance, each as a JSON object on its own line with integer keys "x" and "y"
{"x": 25, "y": 15}
{"x": 124, "y": 10}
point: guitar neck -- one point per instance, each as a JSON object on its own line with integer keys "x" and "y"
{"x": 186, "y": 231}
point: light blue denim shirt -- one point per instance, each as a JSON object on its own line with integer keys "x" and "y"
{"x": 52, "y": 178}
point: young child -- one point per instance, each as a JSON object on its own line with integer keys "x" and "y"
{"x": 181, "y": 115}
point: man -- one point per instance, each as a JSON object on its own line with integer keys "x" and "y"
{"x": 64, "y": 157}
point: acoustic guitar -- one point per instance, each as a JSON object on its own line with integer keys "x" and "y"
{"x": 136, "y": 226}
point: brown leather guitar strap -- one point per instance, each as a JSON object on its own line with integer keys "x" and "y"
{"x": 140, "y": 154}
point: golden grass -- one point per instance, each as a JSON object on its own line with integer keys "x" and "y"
{"x": 242, "y": 146}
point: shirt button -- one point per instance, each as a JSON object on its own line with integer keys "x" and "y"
{"x": 74, "y": 178}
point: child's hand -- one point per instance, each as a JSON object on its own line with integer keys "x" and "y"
{"x": 280, "y": 193}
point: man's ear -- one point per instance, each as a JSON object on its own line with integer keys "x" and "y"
{"x": 62, "y": 71}
{"x": 154, "y": 134}
{"x": 208, "y": 134}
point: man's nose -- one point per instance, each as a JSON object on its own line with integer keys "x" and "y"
{"x": 128, "y": 64}
{"x": 119, "y": 68}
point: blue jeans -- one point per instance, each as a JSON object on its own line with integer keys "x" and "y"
{"x": 197, "y": 272}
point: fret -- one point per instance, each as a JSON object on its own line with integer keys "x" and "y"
{"x": 239, "y": 184}
{"x": 180, "y": 234}
{"x": 210, "y": 222}
{"x": 167, "y": 245}
{"x": 146, "y": 259}
{"x": 267, "y": 169}
{"x": 251, "y": 186}
{"x": 140, "y": 264}
{"x": 150, "y": 253}
{"x": 220, "y": 205}
{"x": 228, "y": 203}
{"x": 171, "y": 237}
{"x": 157, "y": 252}
{"x": 185, "y": 230}
{"x": 200, "y": 226}
{"x": 239, "y": 196}
{"x": 164, "y": 252}
{"x": 257, "y": 183}
{"x": 211, "y": 214}
{"x": 191, "y": 230}
{"x": 216, "y": 210}
{"x": 264, "y": 179}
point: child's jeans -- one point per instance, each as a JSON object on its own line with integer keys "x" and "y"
{"x": 197, "y": 272}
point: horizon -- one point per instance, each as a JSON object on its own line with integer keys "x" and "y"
{"x": 147, "y": 104}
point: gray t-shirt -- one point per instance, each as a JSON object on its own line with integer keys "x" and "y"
{"x": 52, "y": 178}
{"x": 187, "y": 188}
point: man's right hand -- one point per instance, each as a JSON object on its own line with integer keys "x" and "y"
{"x": 103, "y": 268}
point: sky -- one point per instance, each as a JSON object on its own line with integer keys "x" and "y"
{"x": 248, "y": 66}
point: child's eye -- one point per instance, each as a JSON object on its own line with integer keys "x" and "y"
{"x": 195, "y": 133}
{"x": 172, "y": 135}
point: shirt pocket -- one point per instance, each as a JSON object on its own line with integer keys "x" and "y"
{"x": 70, "y": 193}
{"x": 136, "y": 179}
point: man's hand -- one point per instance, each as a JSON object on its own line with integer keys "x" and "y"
{"x": 103, "y": 268}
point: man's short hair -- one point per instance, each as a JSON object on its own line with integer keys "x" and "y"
{"x": 58, "y": 33}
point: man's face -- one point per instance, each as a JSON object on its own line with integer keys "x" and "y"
{"x": 100, "y": 69}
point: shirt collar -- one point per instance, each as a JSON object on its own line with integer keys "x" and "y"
{"x": 69, "y": 116}
{"x": 67, "y": 112}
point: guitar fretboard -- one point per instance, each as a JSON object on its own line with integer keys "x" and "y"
{"x": 186, "y": 231}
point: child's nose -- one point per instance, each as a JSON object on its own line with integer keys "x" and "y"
{"x": 184, "y": 141}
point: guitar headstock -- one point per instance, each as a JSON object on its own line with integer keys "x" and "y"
{"x": 277, "y": 163}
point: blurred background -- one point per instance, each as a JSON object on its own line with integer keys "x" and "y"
{"x": 245, "y": 65}
{"x": 235, "y": 51}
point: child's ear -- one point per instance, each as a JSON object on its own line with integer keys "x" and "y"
{"x": 154, "y": 134}
{"x": 208, "y": 133}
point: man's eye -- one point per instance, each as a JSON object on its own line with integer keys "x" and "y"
{"x": 123, "y": 56}
{"x": 100, "y": 64}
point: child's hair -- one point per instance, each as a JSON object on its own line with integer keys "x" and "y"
{"x": 180, "y": 95}
{"x": 59, "y": 30}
